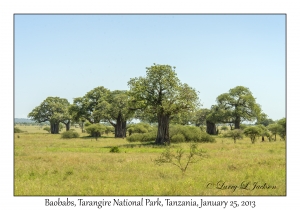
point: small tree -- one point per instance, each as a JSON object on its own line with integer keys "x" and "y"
{"x": 275, "y": 129}
{"x": 179, "y": 159}
{"x": 252, "y": 132}
{"x": 235, "y": 134}
{"x": 282, "y": 131}
{"x": 264, "y": 132}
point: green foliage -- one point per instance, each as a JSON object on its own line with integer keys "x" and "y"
{"x": 275, "y": 129}
{"x": 282, "y": 131}
{"x": 52, "y": 109}
{"x": 95, "y": 130}
{"x": 200, "y": 117}
{"x": 114, "y": 150}
{"x": 161, "y": 94}
{"x": 139, "y": 128}
{"x": 224, "y": 128}
{"x": 178, "y": 138}
{"x": 142, "y": 137}
{"x": 179, "y": 158}
{"x": 253, "y": 132}
{"x": 243, "y": 126}
{"x": 93, "y": 106}
{"x": 235, "y": 134}
{"x": 236, "y": 106}
{"x": 48, "y": 129}
{"x": 61, "y": 126}
{"x": 180, "y": 133}
{"x": 69, "y": 134}
{"x": 263, "y": 120}
{"x": 109, "y": 129}
{"x": 17, "y": 130}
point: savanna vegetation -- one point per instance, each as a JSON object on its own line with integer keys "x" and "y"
{"x": 96, "y": 146}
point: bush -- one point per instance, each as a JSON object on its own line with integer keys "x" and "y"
{"x": 70, "y": 134}
{"x": 178, "y": 133}
{"x": 205, "y": 137}
{"x": 234, "y": 134}
{"x": 190, "y": 134}
{"x": 17, "y": 130}
{"x": 178, "y": 138}
{"x": 142, "y": 137}
{"x": 95, "y": 130}
{"x": 139, "y": 128}
{"x": 47, "y": 129}
{"x": 114, "y": 150}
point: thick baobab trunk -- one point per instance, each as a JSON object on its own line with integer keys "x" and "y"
{"x": 68, "y": 125}
{"x": 120, "y": 127}
{"x": 237, "y": 123}
{"x": 54, "y": 126}
{"x": 211, "y": 128}
{"x": 163, "y": 129}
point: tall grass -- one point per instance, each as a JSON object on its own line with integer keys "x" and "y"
{"x": 46, "y": 164}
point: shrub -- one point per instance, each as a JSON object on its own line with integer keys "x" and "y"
{"x": 70, "y": 134}
{"x": 17, "y": 130}
{"x": 205, "y": 137}
{"x": 114, "y": 150}
{"x": 178, "y": 138}
{"x": 190, "y": 134}
{"x": 253, "y": 132}
{"x": 234, "y": 134}
{"x": 142, "y": 137}
{"x": 47, "y": 129}
{"x": 139, "y": 128}
{"x": 109, "y": 129}
{"x": 179, "y": 158}
{"x": 224, "y": 128}
{"x": 95, "y": 130}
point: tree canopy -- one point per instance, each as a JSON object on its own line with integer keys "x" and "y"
{"x": 160, "y": 93}
{"x": 236, "y": 106}
{"x": 52, "y": 109}
{"x": 92, "y": 106}
{"x": 118, "y": 112}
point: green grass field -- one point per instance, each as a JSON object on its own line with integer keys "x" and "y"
{"x": 46, "y": 164}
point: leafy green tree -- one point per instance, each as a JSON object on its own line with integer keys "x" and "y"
{"x": 184, "y": 118}
{"x": 214, "y": 116}
{"x": 253, "y": 132}
{"x": 52, "y": 109}
{"x": 237, "y": 106}
{"x": 264, "y": 132}
{"x": 282, "y": 132}
{"x": 234, "y": 134}
{"x": 275, "y": 129}
{"x": 118, "y": 111}
{"x": 92, "y": 106}
{"x": 200, "y": 117}
{"x": 264, "y": 120}
{"x": 160, "y": 93}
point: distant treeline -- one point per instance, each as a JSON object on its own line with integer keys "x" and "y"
{"x": 28, "y": 121}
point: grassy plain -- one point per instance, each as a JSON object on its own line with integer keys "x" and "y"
{"x": 46, "y": 164}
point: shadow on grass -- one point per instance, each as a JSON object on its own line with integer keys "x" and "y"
{"x": 139, "y": 145}
{"x": 93, "y": 138}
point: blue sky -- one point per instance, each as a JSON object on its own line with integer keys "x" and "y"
{"x": 69, "y": 55}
